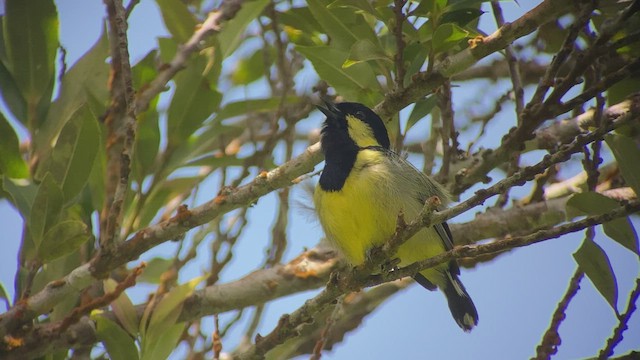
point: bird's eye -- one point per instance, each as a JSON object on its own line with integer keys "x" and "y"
{"x": 360, "y": 115}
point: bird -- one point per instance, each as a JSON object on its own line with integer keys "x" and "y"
{"x": 365, "y": 185}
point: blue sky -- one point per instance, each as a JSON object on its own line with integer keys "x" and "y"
{"x": 515, "y": 295}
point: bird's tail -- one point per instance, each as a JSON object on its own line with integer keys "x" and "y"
{"x": 460, "y": 303}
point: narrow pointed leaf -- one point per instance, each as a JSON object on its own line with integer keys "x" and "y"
{"x": 46, "y": 210}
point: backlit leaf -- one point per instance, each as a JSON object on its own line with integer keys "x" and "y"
{"x": 11, "y": 162}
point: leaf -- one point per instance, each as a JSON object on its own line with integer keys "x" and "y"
{"x": 249, "y": 69}
{"x": 165, "y": 313}
{"x": 250, "y": 106}
{"x": 147, "y": 140}
{"x": 22, "y": 194}
{"x": 594, "y": 262}
{"x": 341, "y": 35}
{"x": 448, "y": 35}
{"x": 178, "y": 19}
{"x": 62, "y": 239}
{"x": 192, "y": 103}
{"x": 421, "y": 109}
{"x": 155, "y": 267}
{"x": 460, "y": 17}
{"x": 72, "y": 157}
{"x": 119, "y": 344}
{"x": 164, "y": 317}
{"x": 365, "y": 50}
{"x": 4, "y": 295}
{"x": 46, "y": 209}
{"x": 31, "y": 41}
{"x": 627, "y": 153}
{"x": 83, "y": 82}
{"x": 357, "y": 82}
{"x": 233, "y": 31}
{"x": 123, "y": 308}
{"x": 11, "y": 95}
{"x": 165, "y": 344}
{"x": 621, "y": 229}
{"x": 11, "y": 162}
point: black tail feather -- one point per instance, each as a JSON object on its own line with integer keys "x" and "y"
{"x": 462, "y": 308}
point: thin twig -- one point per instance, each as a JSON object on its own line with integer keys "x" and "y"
{"x": 623, "y": 324}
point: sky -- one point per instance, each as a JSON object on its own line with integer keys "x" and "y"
{"x": 515, "y": 295}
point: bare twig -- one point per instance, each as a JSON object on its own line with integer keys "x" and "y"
{"x": 623, "y": 323}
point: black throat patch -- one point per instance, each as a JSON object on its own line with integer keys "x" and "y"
{"x": 340, "y": 154}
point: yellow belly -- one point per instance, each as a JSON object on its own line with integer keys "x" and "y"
{"x": 364, "y": 213}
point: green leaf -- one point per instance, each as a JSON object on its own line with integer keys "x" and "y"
{"x": 178, "y": 19}
{"x": 31, "y": 40}
{"x": 621, "y": 229}
{"x": 233, "y": 31}
{"x": 72, "y": 157}
{"x": 83, "y": 84}
{"x": 4, "y": 295}
{"x": 192, "y": 103}
{"x": 421, "y": 109}
{"x": 594, "y": 262}
{"x": 365, "y": 50}
{"x": 250, "y": 106}
{"x": 460, "y": 17}
{"x": 11, "y": 162}
{"x": 119, "y": 344}
{"x": 164, "y": 316}
{"x": 46, "y": 209}
{"x": 165, "y": 313}
{"x": 300, "y": 18}
{"x": 154, "y": 269}
{"x": 249, "y": 69}
{"x": 11, "y": 95}
{"x": 627, "y": 153}
{"x": 62, "y": 239}
{"x": 343, "y": 26}
{"x": 448, "y": 35}
{"x": 22, "y": 194}
{"x": 357, "y": 82}
{"x": 148, "y": 132}
{"x": 123, "y": 308}
{"x": 165, "y": 344}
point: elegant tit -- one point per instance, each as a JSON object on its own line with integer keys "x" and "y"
{"x": 363, "y": 188}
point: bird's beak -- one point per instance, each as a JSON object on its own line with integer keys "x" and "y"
{"x": 329, "y": 109}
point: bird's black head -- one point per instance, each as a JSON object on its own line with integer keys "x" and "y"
{"x": 354, "y": 121}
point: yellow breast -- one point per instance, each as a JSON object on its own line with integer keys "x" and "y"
{"x": 361, "y": 214}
